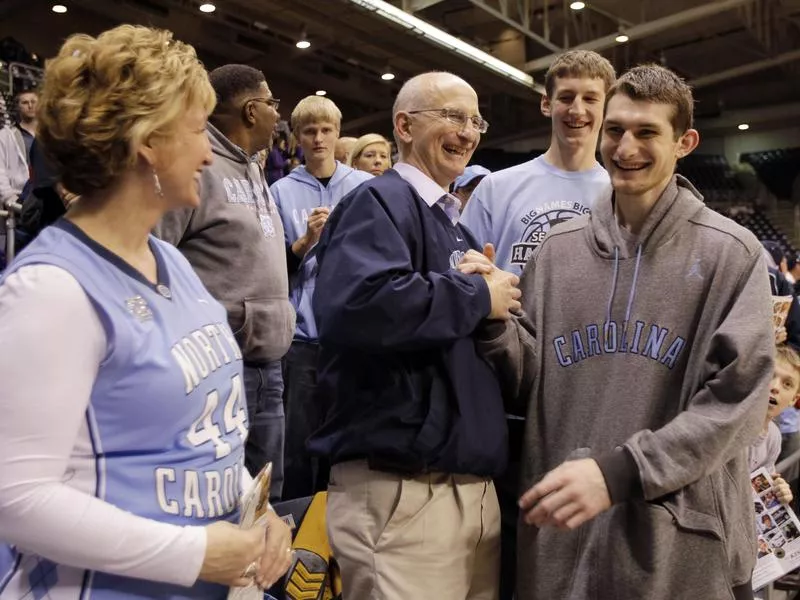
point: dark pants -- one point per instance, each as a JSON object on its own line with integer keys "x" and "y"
{"x": 263, "y": 387}
{"x": 304, "y": 475}
{"x": 508, "y": 493}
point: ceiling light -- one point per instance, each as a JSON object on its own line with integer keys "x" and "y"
{"x": 744, "y": 127}
{"x": 424, "y": 29}
{"x": 302, "y": 41}
{"x": 207, "y": 7}
{"x": 59, "y": 8}
{"x": 577, "y": 5}
{"x": 321, "y": 93}
{"x": 622, "y": 38}
{"x": 387, "y": 74}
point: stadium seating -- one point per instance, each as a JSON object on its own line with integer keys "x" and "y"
{"x": 757, "y": 221}
{"x": 778, "y": 169}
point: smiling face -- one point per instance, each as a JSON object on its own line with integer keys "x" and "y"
{"x": 181, "y": 158}
{"x": 576, "y": 111}
{"x": 435, "y": 145}
{"x": 640, "y": 148}
{"x": 783, "y": 389}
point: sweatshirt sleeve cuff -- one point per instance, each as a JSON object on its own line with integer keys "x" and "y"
{"x": 621, "y": 475}
{"x": 491, "y": 331}
{"x": 484, "y": 299}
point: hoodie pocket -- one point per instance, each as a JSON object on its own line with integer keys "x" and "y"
{"x": 266, "y": 330}
{"x": 651, "y": 550}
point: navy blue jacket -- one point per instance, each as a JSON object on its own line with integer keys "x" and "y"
{"x": 399, "y": 373}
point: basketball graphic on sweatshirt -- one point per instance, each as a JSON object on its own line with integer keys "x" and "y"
{"x": 538, "y": 222}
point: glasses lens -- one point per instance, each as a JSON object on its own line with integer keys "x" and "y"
{"x": 458, "y": 118}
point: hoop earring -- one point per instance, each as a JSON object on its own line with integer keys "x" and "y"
{"x": 157, "y": 183}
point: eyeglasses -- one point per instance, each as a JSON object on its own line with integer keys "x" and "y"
{"x": 273, "y": 102}
{"x": 457, "y": 117}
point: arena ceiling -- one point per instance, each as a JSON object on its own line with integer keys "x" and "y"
{"x": 742, "y": 56}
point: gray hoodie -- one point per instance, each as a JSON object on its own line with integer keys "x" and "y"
{"x": 234, "y": 241}
{"x": 653, "y": 356}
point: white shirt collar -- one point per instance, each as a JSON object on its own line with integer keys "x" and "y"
{"x": 430, "y": 191}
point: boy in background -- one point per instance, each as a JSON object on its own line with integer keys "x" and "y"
{"x": 305, "y": 198}
{"x": 784, "y": 391}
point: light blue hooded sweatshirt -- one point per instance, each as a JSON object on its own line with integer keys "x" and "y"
{"x": 296, "y": 195}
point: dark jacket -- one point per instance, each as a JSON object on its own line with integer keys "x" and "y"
{"x": 398, "y": 365}
{"x": 41, "y": 204}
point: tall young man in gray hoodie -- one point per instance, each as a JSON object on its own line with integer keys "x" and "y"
{"x": 639, "y": 407}
{"x": 234, "y": 241}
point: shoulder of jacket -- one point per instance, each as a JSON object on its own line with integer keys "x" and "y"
{"x": 727, "y": 229}
{"x": 289, "y": 181}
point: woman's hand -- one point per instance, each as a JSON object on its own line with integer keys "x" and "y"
{"x": 230, "y": 552}
{"x": 277, "y": 556}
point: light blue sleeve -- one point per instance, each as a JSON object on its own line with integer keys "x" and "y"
{"x": 288, "y": 226}
{"x": 476, "y": 217}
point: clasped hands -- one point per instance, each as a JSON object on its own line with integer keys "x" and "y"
{"x": 240, "y": 557}
{"x": 503, "y": 289}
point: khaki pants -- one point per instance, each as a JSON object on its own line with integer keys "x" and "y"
{"x": 433, "y": 536}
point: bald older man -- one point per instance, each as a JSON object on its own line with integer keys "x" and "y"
{"x": 415, "y": 428}
{"x": 344, "y": 146}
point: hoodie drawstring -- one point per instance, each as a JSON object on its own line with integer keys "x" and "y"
{"x": 632, "y": 293}
{"x": 633, "y": 285}
{"x": 613, "y": 285}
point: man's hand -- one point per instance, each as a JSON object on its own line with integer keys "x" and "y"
{"x": 780, "y": 335}
{"x": 316, "y": 221}
{"x": 277, "y": 556}
{"x": 568, "y": 496}
{"x": 475, "y": 262}
{"x": 504, "y": 293}
{"x": 782, "y": 490}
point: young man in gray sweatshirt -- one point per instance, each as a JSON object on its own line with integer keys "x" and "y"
{"x": 234, "y": 241}
{"x": 643, "y": 395}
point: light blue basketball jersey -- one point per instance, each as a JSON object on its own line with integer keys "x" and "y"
{"x": 167, "y": 416}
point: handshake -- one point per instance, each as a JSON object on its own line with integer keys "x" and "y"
{"x": 503, "y": 288}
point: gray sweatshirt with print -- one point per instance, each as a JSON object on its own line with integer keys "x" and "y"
{"x": 651, "y": 354}
{"x": 234, "y": 241}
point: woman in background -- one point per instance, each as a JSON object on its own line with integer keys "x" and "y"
{"x": 372, "y": 153}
